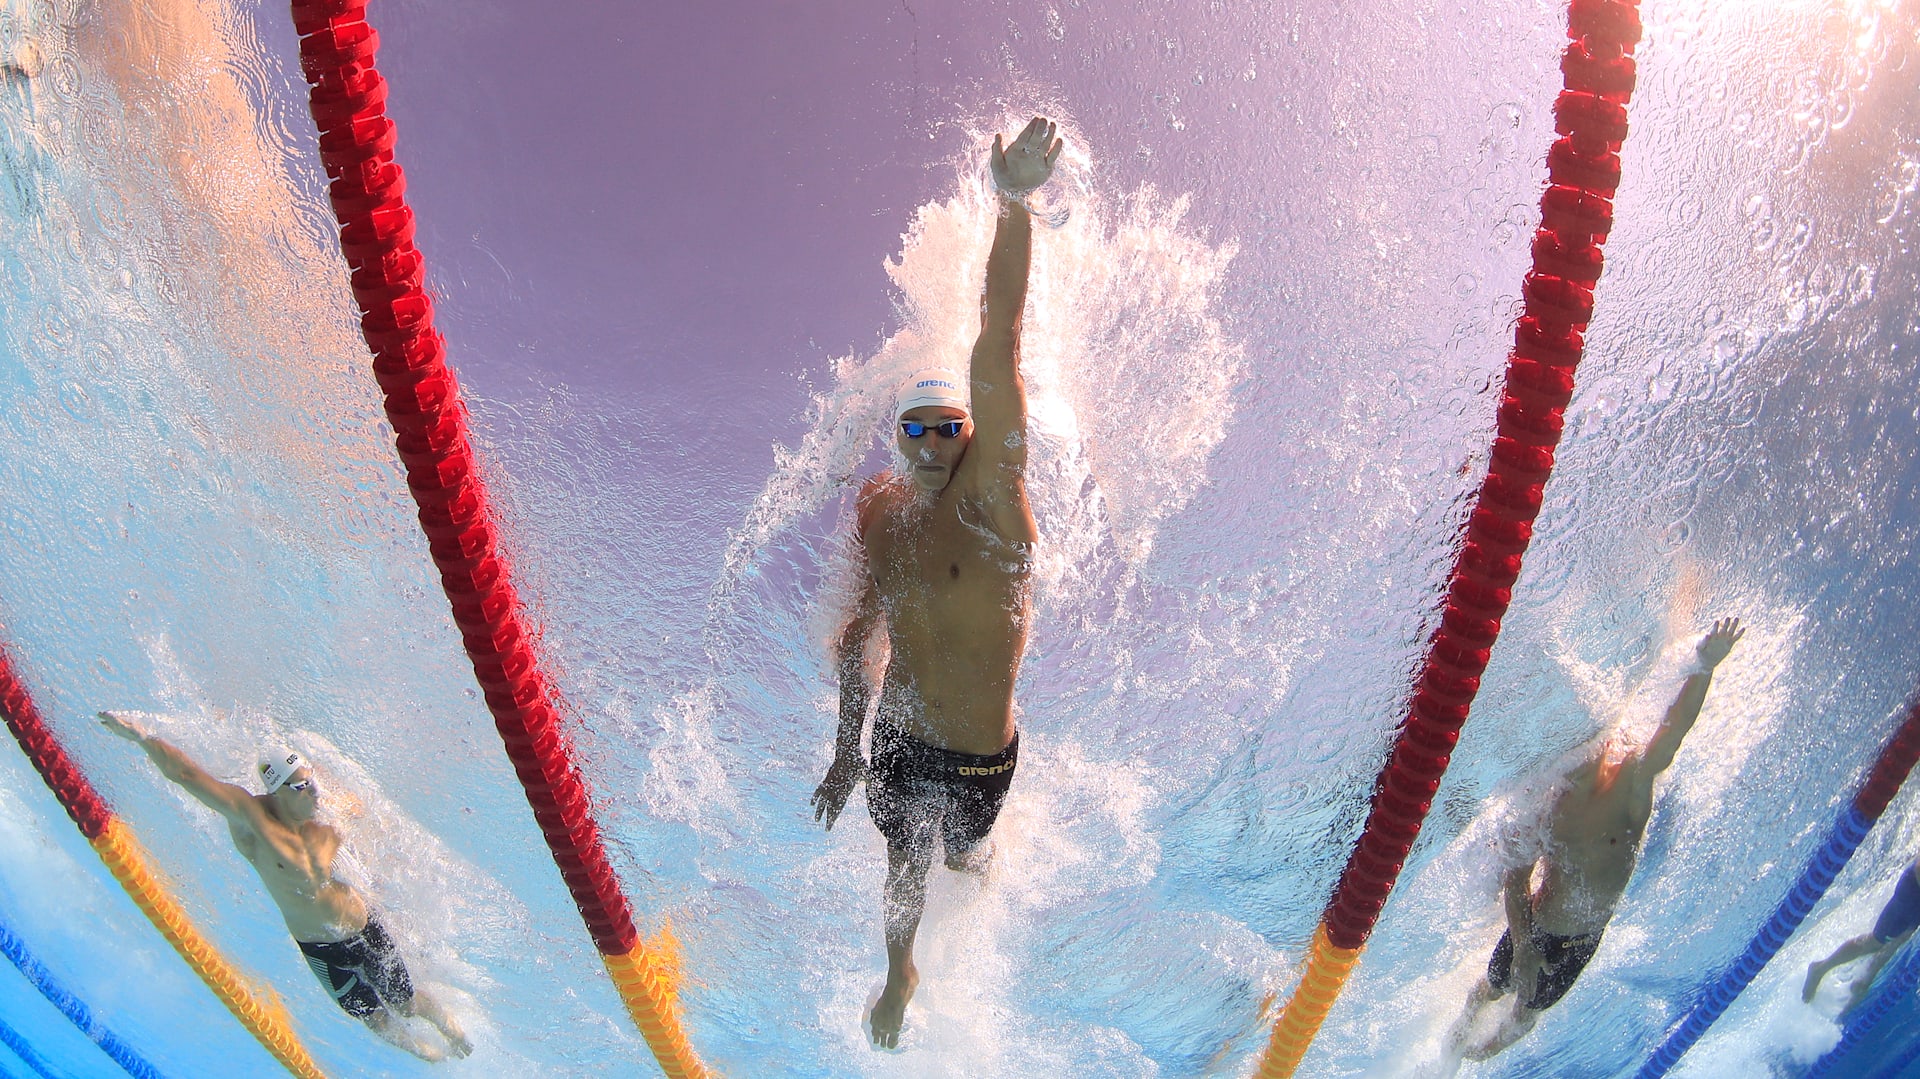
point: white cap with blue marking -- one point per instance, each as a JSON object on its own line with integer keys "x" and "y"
{"x": 934, "y": 386}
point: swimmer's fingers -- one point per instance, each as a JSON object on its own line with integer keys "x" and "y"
{"x": 826, "y": 806}
{"x": 1054, "y": 153}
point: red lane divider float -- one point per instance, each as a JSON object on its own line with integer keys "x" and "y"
{"x": 348, "y": 99}
{"x": 1576, "y": 215}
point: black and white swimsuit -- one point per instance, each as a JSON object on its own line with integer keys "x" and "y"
{"x": 363, "y": 973}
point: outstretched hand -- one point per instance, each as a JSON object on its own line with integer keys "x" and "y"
{"x": 1715, "y": 645}
{"x": 1026, "y": 163}
{"x": 830, "y": 797}
{"x": 116, "y": 723}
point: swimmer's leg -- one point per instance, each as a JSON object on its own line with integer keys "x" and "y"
{"x": 906, "y": 901}
{"x": 1515, "y": 1025}
{"x": 396, "y": 1033}
{"x": 1483, "y": 995}
{"x": 975, "y": 862}
{"x": 424, "y": 1005}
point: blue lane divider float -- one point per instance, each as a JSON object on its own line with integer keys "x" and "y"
{"x": 1887, "y": 991}
{"x": 74, "y": 1008}
{"x": 1814, "y": 881}
{"x": 1890, "y": 769}
{"x": 1898, "y": 1066}
{"x": 23, "y": 1049}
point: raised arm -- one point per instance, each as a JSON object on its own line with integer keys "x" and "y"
{"x": 995, "y": 466}
{"x": 230, "y": 801}
{"x": 1693, "y": 693}
{"x": 849, "y": 658}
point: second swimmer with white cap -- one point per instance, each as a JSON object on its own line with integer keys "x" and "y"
{"x": 345, "y": 945}
{"x": 946, "y": 551}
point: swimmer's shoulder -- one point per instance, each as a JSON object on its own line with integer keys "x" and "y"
{"x": 879, "y": 494}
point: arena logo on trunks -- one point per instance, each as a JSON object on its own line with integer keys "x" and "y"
{"x": 974, "y": 770}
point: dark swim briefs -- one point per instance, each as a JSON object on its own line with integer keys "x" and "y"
{"x": 1901, "y": 915}
{"x": 1561, "y": 961}
{"x": 363, "y": 972}
{"x": 914, "y": 788}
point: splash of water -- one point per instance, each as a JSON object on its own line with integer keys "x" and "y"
{"x": 1129, "y": 369}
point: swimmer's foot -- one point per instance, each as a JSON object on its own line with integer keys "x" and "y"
{"x": 459, "y": 1046}
{"x": 890, "y": 1011}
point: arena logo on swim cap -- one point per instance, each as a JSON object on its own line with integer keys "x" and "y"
{"x": 939, "y": 386}
{"x": 276, "y": 772}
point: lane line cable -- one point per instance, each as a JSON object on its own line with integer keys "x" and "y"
{"x": 1576, "y": 216}
{"x": 348, "y": 99}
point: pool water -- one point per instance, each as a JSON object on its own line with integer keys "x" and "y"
{"x": 681, "y": 255}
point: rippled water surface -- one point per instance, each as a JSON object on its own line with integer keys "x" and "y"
{"x": 681, "y": 255}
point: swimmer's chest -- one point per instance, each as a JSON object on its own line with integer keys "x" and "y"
{"x": 1601, "y": 829}
{"x": 934, "y": 561}
{"x": 301, "y": 860}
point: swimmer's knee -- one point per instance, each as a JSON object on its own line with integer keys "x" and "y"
{"x": 975, "y": 860}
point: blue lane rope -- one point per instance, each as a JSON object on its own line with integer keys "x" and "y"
{"x": 74, "y": 1008}
{"x": 1825, "y": 864}
{"x": 23, "y": 1049}
{"x": 1898, "y": 1065}
{"x": 1885, "y": 995}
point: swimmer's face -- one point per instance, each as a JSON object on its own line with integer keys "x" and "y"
{"x": 933, "y": 456}
{"x": 298, "y": 799}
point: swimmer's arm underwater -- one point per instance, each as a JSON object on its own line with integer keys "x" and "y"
{"x": 850, "y": 660}
{"x": 1693, "y": 693}
{"x": 1518, "y": 894}
{"x": 230, "y": 801}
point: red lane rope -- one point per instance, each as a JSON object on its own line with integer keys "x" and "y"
{"x": 77, "y": 796}
{"x": 1576, "y": 214}
{"x": 1897, "y": 759}
{"x": 348, "y": 99}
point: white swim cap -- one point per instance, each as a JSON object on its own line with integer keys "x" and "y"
{"x": 276, "y": 771}
{"x": 933, "y": 386}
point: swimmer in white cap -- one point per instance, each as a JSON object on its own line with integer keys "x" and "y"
{"x": 345, "y": 945}
{"x": 1568, "y": 874}
{"x": 947, "y": 554}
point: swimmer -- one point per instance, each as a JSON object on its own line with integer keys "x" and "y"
{"x": 1896, "y": 923}
{"x": 1592, "y": 834}
{"x": 345, "y": 945}
{"x": 947, "y": 556}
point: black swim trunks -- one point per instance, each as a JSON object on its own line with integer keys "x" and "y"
{"x": 914, "y": 789}
{"x": 364, "y": 972}
{"x": 1901, "y": 915}
{"x": 1561, "y": 961}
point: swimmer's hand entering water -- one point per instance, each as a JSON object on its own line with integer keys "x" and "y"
{"x": 1028, "y": 163}
{"x": 830, "y": 797}
{"x": 123, "y": 726}
{"x": 1715, "y": 645}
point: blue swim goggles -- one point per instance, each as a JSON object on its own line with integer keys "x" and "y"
{"x": 946, "y": 428}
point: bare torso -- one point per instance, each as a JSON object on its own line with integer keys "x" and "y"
{"x": 1593, "y": 840}
{"x": 295, "y": 862}
{"x": 956, "y": 599}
